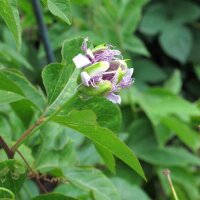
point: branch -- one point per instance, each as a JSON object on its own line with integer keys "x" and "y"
{"x": 6, "y": 148}
{"x": 26, "y": 133}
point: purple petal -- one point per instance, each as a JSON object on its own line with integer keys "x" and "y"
{"x": 128, "y": 75}
{"x": 84, "y": 45}
{"x": 85, "y": 78}
{"x": 114, "y": 98}
{"x": 81, "y": 61}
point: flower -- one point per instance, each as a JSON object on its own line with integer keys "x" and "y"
{"x": 104, "y": 72}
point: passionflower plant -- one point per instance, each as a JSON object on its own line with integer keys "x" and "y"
{"x": 104, "y": 72}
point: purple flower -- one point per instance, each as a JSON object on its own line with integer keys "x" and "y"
{"x": 104, "y": 71}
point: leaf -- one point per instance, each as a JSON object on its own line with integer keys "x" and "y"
{"x": 142, "y": 142}
{"x": 129, "y": 191}
{"x": 68, "y": 92}
{"x": 64, "y": 88}
{"x": 153, "y": 73}
{"x": 152, "y": 102}
{"x": 93, "y": 181}
{"x": 29, "y": 190}
{"x": 135, "y": 45}
{"x": 11, "y": 177}
{"x": 177, "y": 42}
{"x": 52, "y": 196}
{"x": 197, "y": 71}
{"x": 85, "y": 123}
{"x": 61, "y": 9}
{"x": 16, "y": 58}
{"x": 55, "y": 76}
{"x": 177, "y": 156}
{"x": 10, "y": 15}
{"x": 174, "y": 83}
{"x": 6, "y": 194}
{"x": 9, "y": 97}
{"x": 73, "y": 191}
{"x": 70, "y": 49}
{"x": 187, "y": 135}
{"x": 107, "y": 156}
{"x": 56, "y": 149}
{"x": 164, "y": 16}
{"x": 154, "y": 19}
{"x": 16, "y": 82}
{"x": 108, "y": 114}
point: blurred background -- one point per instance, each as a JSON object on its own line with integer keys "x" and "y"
{"x": 160, "y": 112}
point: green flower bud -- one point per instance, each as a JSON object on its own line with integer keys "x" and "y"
{"x": 101, "y": 89}
{"x": 97, "y": 68}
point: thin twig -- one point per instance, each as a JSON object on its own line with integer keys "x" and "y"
{"x": 166, "y": 172}
{"x": 30, "y": 169}
{"x": 6, "y": 148}
{"x": 26, "y": 133}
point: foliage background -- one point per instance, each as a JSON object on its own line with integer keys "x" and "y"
{"x": 160, "y": 113}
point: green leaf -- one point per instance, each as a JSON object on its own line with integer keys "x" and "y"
{"x": 135, "y": 45}
{"x": 73, "y": 191}
{"x": 11, "y": 176}
{"x": 10, "y": 15}
{"x": 70, "y": 49}
{"x": 14, "y": 57}
{"x": 15, "y": 82}
{"x": 69, "y": 89}
{"x": 107, "y": 156}
{"x": 52, "y": 196}
{"x": 129, "y": 191}
{"x": 154, "y": 19}
{"x": 167, "y": 15}
{"x": 152, "y": 102}
{"x": 153, "y": 73}
{"x": 108, "y": 114}
{"x": 55, "y": 76}
{"x": 177, "y": 156}
{"x": 29, "y": 190}
{"x": 177, "y": 42}
{"x": 174, "y": 83}
{"x": 9, "y": 97}
{"x": 56, "y": 149}
{"x": 93, "y": 181}
{"x": 187, "y": 135}
{"x": 85, "y": 123}
{"x": 197, "y": 71}
{"x": 142, "y": 142}
{"x": 6, "y": 194}
{"x": 61, "y": 9}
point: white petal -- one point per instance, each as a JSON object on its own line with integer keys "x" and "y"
{"x": 85, "y": 78}
{"x": 81, "y": 61}
{"x": 128, "y": 75}
{"x": 114, "y": 98}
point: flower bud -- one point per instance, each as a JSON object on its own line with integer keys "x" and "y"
{"x": 97, "y": 68}
{"x": 104, "y": 72}
{"x": 101, "y": 89}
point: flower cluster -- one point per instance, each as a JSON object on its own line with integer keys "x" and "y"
{"x": 104, "y": 71}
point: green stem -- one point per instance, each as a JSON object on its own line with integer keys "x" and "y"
{"x": 40, "y": 122}
{"x": 166, "y": 172}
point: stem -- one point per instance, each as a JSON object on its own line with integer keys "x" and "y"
{"x": 43, "y": 30}
{"x": 26, "y": 133}
{"x": 41, "y": 121}
{"x": 30, "y": 169}
{"x": 166, "y": 172}
{"x": 8, "y": 151}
